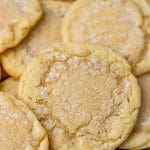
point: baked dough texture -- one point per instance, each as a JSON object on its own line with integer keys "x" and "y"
{"x": 144, "y": 65}
{"x": 9, "y": 86}
{"x": 84, "y": 95}
{"x": 19, "y": 128}
{"x": 114, "y": 23}
{"x": 140, "y": 137}
{"x": 41, "y": 37}
{"x": 144, "y": 6}
{"x": 16, "y": 19}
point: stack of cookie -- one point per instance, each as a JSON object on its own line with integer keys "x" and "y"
{"x": 75, "y": 75}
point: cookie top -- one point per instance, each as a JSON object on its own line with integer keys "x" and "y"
{"x": 15, "y": 26}
{"x": 84, "y": 95}
{"x": 115, "y": 23}
{"x": 144, "y": 65}
{"x": 41, "y": 37}
{"x": 19, "y": 128}
{"x": 144, "y": 6}
{"x": 140, "y": 138}
{"x": 9, "y": 86}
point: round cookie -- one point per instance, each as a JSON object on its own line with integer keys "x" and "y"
{"x": 16, "y": 19}
{"x": 43, "y": 35}
{"x": 114, "y": 23}
{"x": 144, "y": 65}
{"x": 84, "y": 95}
{"x": 9, "y": 86}
{"x": 19, "y": 128}
{"x": 140, "y": 138}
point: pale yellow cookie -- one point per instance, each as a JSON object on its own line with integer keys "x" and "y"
{"x": 143, "y": 147}
{"x": 147, "y": 24}
{"x": 84, "y": 95}
{"x": 144, "y": 6}
{"x": 17, "y": 17}
{"x": 114, "y": 23}
{"x": 146, "y": 146}
{"x": 140, "y": 137}
{"x": 144, "y": 65}
{"x": 43, "y": 35}
{"x": 9, "y": 86}
{"x": 19, "y": 128}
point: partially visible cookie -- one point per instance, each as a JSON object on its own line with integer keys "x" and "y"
{"x": 66, "y": 89}
{"x": 144, "y": 6}
{"x": 114, "y": 23}
{"x": 145, "y": 146}
{"x": 147, "y": 24}
{"x": 144, "y": 65}
{"x": 9, "y": 86}
{"x": 41, "y": 37}
{"x": 140, "y": 138}
{"x": 16, "y": 19}
{"x": 19, "y": 128}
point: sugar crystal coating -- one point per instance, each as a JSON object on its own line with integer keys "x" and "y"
{"x": 82, "y": 96}
{"x": 15, "y": 26}
{"x": 19, "y": 128}
{"x": 114, "y": 23}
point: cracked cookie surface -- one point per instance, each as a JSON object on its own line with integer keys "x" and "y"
{"x": 19, "y": 128}
{"x": 84, "y": 95}
{"x": 41, "y": 37}
{"x": 16, "y": 19}
{"x": 140, "y": 137}
{"x": 9, "y": 86}
{"x": 114, "y": 23}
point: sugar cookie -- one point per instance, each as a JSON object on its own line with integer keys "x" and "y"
{"x": 114, "y": 23}
{"x": 19, "y": 128}
{"x": 66, "y": 89}
{"x": 16, "y": 19}
{"x": 9, "y": 86}
{"x": 140, "y": 138}
{"x": 144, "y": 65}
{"x": 43, "y": 35}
